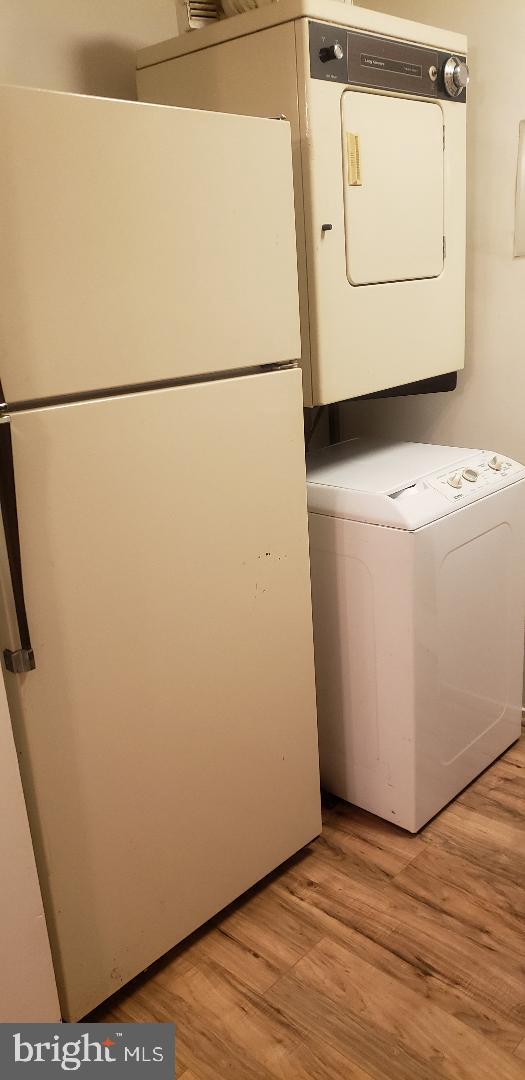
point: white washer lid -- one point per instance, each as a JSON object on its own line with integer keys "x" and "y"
{"x": 378, "y": 465}
{"x": 402, "y": 485}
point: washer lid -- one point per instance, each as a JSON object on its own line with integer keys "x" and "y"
{"x": 404, "y": 485}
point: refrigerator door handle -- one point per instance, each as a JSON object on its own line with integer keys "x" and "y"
{"x": 22, "y": 659}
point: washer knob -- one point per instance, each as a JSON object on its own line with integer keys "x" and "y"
{"x": 455, "y": 76}
{"x": 455, "y": 480}
{"x": 496, "y": 463}
{"x": 471, "y": 475}
{"x": 331, "y": 52}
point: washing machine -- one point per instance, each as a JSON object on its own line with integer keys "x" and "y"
{"x": 378, "y": 108}
{"x": 418, "y": 600}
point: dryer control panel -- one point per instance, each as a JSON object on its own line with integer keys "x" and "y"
{"x": 347, "y": 56}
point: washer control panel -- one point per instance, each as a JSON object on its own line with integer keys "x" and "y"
{"x": 353, "y": 58}
{"x": 476, "y": 477}
{"x": 465, "y": 481}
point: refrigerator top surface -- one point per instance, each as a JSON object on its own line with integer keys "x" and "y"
{"x": 140, "y": 244}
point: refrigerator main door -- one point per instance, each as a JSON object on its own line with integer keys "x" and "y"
{"x": 167, "y": 737}
{"x": 27, "y": 982}
{"x": 140, "y": 243}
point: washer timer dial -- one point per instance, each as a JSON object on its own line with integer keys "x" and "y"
{"x": 454, "y": 480}
{"x": 496, "y": 463}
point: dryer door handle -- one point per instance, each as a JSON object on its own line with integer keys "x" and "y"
{"x": 353, "y": 152}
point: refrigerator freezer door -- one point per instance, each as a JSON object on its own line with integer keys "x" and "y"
{"x": 168, "y": 734}
{"x": 140, "y": 243}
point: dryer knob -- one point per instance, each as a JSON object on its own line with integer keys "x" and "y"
{"x": 461, "y": 76}
{"x": 455, "y": 76}
{"x": 331, "y": 52}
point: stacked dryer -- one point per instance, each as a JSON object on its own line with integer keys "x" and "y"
{"x": 377, "y": 107}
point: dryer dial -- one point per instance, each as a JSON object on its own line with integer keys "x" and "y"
{"x": 455, "y": 76}
{"x": 331, "y": 52}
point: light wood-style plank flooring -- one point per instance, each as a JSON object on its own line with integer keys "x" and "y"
{"x": 372, "y": 954}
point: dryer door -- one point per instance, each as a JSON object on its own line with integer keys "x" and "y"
{"x": 393, "y": 188}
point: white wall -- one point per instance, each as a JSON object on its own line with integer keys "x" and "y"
{"x": 86, "y": 46}
{"x": 488, "y": 408}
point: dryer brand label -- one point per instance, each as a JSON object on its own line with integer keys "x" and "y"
{"x": 47, "y": 1051}
{"x": 382, "y": 63}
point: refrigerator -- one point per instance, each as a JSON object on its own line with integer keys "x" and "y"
{"x": 155, "y": 611}
{"x": 29, "y": 992}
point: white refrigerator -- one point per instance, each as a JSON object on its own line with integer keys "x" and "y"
{"x": 156, "y": 622}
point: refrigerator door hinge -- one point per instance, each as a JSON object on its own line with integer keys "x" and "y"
{"x": 19, "y": 661}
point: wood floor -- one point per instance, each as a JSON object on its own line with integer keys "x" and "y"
{"x": 372, "y": 954}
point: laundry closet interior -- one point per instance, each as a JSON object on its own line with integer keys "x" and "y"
{"x": 262, "y": 485}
